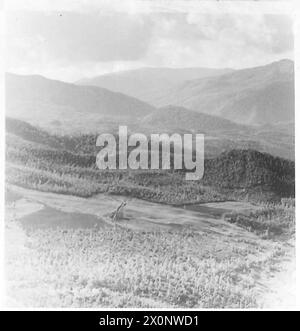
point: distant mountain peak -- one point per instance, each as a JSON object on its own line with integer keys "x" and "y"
{"x": 260, "y": 95}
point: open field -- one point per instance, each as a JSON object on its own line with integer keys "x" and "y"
{"x": 61, "y": 252}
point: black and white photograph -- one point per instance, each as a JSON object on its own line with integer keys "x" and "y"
{"x": 149, "y": 155}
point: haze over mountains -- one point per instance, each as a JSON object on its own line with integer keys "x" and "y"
{"x": 255, "y": 96}
{"x": 57, "y": 105}
{"x": 224, "y": 106}
{"x": 40, "y": 101}
{"x": 149, "y": 83}
{"x": 263, "y": 95}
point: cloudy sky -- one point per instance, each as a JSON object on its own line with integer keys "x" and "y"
{"x": 69, "y": 45}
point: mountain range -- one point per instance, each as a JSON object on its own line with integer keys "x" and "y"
{"x": 241, "y": 109}
{"x": 255, "y": 96}
{"x": 147, "y": 83}
{"x": 51, "y": 103}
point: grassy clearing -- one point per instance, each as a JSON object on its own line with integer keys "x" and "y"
{"x": 122, "y": 268}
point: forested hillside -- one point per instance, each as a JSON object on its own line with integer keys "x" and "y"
{"x": 68, "y": 164}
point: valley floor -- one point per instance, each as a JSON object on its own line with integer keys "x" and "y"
{"x": 62, "y": 252}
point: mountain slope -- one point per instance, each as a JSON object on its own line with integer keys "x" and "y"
{"x": 262, "y": 95}
{"x": 18, "y": 132}
{"x": 149, "y": 83}
{"x": 172, "y": 118}
{"x": 220, "y": 134}
{"x": 35, "y": 98}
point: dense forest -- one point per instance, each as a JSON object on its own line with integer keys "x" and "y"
{"x": 67, "y": 164}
